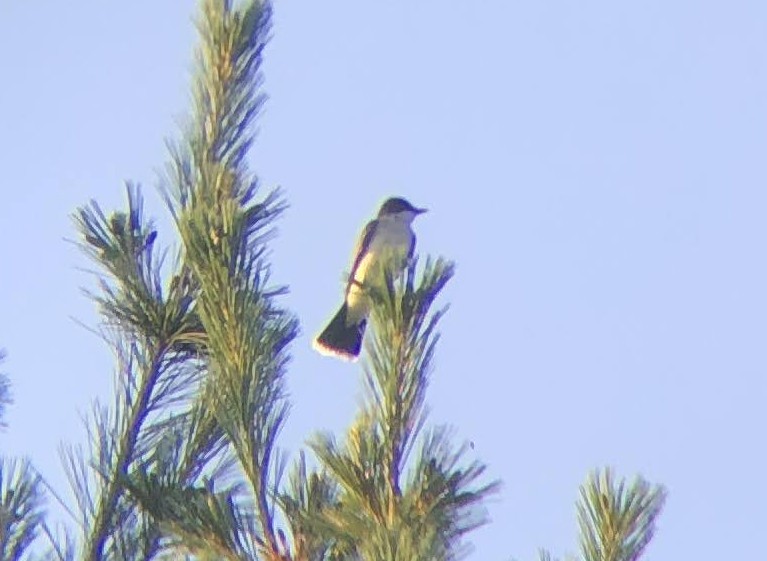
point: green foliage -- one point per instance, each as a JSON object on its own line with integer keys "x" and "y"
{"x": 21, "y": 496}
{"x": 617, "y": 520}
{"x": 224, "y": 232}
{"x": 202, "y": 520}
{"x": 305, "y": 503}
{"x": 389, "y": 505}
{"x": 544, "y": 555}
{"x": 131, "y": 296}
{"x": 183, "y": 463}
{"x": 154, "y": 333}
{"x": 5, "y": 392}
{"x": 21, "y": 513}
{"x": 201, "y": 391}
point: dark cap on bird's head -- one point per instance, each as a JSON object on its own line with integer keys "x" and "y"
{"x": 396, "y": 205}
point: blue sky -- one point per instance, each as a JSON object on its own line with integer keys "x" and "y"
{"x": 597, "y": 171}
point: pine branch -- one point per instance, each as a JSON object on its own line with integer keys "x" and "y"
{"x": 5, "y": 391}
{"x": 62, "y": 544}
{"x": 177, "y": 487}
{"x": 447, "y": 491}
{"x": 119, "y": 459}
{"x": 309, "y": 497}
{"x": 377, "y": 515}
{"x": 213, "y": 199}
{"x": 203, "y": 364}
{"x": 544, "y": 555}
{"x": 400, "y": 355}
{"x": 152, "y": 333}
{"x": 617, "y": 520}
{"x": 204, "y": 521}
{"x": 21, "y": 515}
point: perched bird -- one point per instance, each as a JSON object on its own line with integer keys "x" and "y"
{"x": 387, "y": 238}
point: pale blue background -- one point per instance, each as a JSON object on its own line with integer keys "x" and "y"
{"x": 597, "y": 170}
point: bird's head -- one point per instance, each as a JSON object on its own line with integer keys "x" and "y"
{"x": 399, "y": 207}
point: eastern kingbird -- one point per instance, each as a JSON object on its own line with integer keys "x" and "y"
{"x": 386, "y": 239}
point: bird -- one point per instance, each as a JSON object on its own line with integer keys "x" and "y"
{"x": 388, "y": 238}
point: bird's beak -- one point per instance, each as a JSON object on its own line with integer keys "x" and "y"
{"x": 421, "y": 210}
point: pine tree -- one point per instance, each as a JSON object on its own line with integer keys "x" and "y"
{"x": 21, "y": 496}
{"x": 617, "y": 519}
{"x": 5, "y": 392}
{"x": 394, "y": 489}
{"x": 184, "y": 463}
{"x": 186, "y": 456}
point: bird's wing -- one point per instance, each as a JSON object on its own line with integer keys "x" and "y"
{"x": 363, "y": 243}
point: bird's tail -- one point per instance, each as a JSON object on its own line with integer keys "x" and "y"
{"x": 339, "y": 338}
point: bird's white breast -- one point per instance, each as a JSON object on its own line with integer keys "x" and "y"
{"x": 392, "y": 241}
